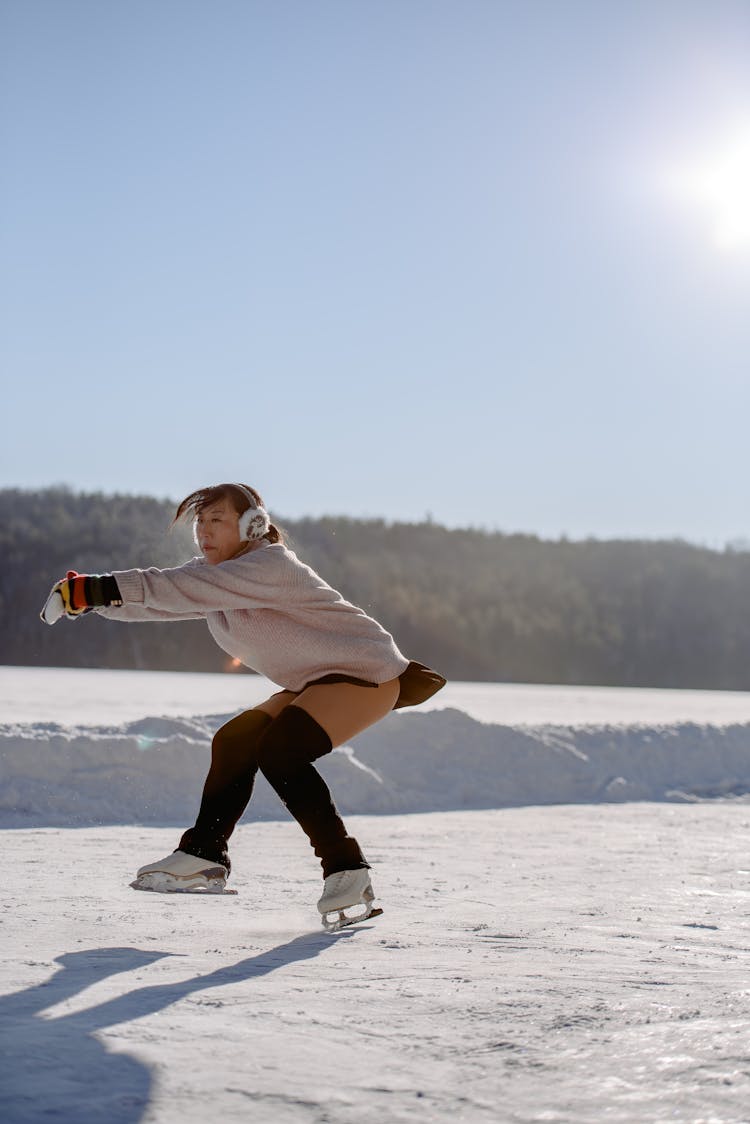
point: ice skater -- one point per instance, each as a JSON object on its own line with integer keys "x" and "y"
{"x": 339, "y": 670}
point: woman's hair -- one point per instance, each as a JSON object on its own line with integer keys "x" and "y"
{"x": 194, "y": 504}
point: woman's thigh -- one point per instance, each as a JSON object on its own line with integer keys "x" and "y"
{"x": 274, "y": 705}
{"x": 344, "y": 709}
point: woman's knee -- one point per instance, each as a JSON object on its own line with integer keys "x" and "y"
{"x": 239, "y": 737}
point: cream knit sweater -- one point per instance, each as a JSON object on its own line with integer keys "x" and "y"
{"x": 268, "y": 610}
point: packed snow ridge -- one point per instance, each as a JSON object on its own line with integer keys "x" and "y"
{"x": 151, "y": 771}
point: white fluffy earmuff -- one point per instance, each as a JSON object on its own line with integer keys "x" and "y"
{"x": 253, "y": 523}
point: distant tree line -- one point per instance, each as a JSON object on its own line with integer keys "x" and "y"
{"x": 477, "y": 605}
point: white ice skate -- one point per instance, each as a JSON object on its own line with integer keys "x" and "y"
{"x": 181, "y": 873}
{"x": 347, "y": 889}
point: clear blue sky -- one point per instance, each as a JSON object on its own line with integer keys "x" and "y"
{"x": 488, "y": 260}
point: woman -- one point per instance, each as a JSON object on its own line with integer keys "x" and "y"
{"x": 339, "y": 670}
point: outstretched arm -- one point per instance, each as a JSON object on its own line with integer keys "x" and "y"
{"x": 257, "y": 580}
{"x": 77, "y": 594}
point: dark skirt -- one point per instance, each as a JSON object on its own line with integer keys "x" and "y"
{"x": 418, "y": 683}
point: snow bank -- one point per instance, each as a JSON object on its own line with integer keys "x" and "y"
{"x": 150, "y": 771}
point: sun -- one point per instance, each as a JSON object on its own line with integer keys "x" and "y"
{"x": 718, "y": 184}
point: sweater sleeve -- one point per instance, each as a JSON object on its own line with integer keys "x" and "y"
{"x": 134, "y": 613}
{"x": 252, "y": 581}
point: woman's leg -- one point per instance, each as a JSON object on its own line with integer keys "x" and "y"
{"x": 307, "y": 728}
{"x": 231, "y": 777}
{"x": 345, "y": 710}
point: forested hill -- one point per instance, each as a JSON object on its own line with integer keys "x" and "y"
{"x": 476, "y": 605}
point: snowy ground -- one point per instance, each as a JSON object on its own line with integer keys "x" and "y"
{"x": 576, "y": 964}
{"x": 572, "y": 963}
{"x": 95, "y": 697}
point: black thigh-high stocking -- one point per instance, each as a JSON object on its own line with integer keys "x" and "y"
{"x": 286, "y": 751}
{"x": 228, "y": 786}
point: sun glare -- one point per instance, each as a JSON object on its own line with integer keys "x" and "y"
{"x": 718, "y": 184}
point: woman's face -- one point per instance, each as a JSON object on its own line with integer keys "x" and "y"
{"x": 218, "y": 532}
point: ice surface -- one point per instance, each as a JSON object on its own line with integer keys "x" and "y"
{"x": 570, "y": 964}
{"x": 97, "y": 697}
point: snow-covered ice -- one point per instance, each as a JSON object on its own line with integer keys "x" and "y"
{"x": 583, "y": 961}
{"x": 570, "y": 964}
{"x": 103, "y": 697}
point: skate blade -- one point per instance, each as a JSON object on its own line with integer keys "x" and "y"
{"x": 159, "y": 883}
{"x": 342, "y": 921}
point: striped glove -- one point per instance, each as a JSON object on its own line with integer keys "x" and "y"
{"x": 80, "y": 593}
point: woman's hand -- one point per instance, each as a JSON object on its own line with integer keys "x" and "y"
{"x": 77, "y": 593}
